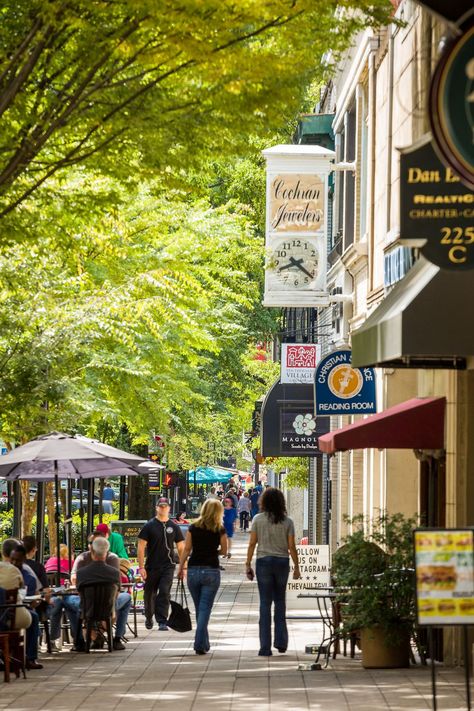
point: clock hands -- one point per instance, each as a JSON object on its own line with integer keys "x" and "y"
{"x": 296, "y": 263}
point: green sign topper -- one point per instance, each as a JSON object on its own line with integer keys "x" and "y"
{"x": 452, "y": 105}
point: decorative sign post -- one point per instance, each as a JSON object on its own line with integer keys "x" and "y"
{"x": 341, "y": 389}
{"x": 298, "y": 362}
{"x": 297, "y": 188}
{"x": 444, "y": 569}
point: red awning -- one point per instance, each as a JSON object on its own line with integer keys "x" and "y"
{"x": 414, "y": 424}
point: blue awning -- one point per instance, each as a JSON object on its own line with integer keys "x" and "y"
{"x": 210, "y": 475}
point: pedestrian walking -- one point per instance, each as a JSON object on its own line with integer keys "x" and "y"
{"x": 230, "y": 514}
{"x": 273, "y": 533}
{"x": 243, "y": 509}
{"x": 159, "y": 536}
{"x": 204, "y": 539}
{"x": 254, "y": 500}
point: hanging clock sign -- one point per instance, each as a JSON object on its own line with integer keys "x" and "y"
{"x": 296, "y": 225}
{"x": 452, "y": 105}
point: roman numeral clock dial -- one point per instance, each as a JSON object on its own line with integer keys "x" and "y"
{"x": 294, "y": 263}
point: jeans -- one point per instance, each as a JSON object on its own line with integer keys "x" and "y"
{"x": 244, "y": 520}
{"x": 72, "y": 606}
{"x": 160, "y": 579}
{"x": 203, "y": 584}
{"x": 272, "y": 578}
{"x": 32, "y": 636}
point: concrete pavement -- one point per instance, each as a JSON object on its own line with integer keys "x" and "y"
{"x": 159, "y": 670}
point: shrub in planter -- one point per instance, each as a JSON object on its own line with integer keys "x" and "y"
{"x": 374, "y": 580}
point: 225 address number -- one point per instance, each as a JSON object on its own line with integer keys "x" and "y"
{"x": 457, "y": 235}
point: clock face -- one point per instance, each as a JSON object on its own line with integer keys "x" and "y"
{"x": 295, "y": 262}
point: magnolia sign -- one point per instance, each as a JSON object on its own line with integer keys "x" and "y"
{"x": 298, "y": 362}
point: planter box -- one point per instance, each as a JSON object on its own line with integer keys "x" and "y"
{"x": 378, "y": 654}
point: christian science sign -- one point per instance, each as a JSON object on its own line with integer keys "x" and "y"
{"x": 341, "y": 389}
{"x": 436, "y": 206}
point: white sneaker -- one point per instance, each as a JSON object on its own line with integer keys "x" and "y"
{"x": 56, "y": 645}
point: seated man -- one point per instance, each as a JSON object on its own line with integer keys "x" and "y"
{"x": 71, "y": 603}
{"x": 98, "y": 571}
{"x": 14, "y": 553}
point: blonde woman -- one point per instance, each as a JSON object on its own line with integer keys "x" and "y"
{"x": 205, "y": 539}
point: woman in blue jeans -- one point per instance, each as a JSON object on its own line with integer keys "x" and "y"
{"x": 273, "y": 533}
{"x": 205, "y": 540}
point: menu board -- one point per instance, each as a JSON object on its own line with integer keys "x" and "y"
{"x": 444, "y": 566}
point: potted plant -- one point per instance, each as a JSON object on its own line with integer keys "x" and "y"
{"x": 374, "y": 581}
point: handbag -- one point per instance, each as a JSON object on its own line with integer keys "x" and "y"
{"x": 180, "y": 617}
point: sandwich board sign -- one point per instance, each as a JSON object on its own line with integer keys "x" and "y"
{"x": 444, "y": 568}
{"x": 315, "y": 575}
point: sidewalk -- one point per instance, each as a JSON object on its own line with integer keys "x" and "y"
{"x": 160, "y": 671}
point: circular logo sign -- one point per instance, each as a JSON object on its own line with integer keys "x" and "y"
{"x": 169, "y": 529}
{"x": 345, "y": 381}
{"x": 452, "y": 106}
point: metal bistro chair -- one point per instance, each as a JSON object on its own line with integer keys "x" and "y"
{"x": 12, "y": 641}
{"x": 44, "y": 621}
{"x": 98, "y": 605}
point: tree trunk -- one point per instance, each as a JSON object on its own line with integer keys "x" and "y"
{"x": 51, "y": 509}
{"x": 28, "y": 508}
{"x": 139, "y": 500}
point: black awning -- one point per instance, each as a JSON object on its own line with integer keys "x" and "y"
{"x": 424, "y": 322}
{"x": 289, "y": 427}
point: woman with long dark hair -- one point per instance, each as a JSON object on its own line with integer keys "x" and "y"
{"x": 205, "y": 539}
{"x": 273, "y": 533}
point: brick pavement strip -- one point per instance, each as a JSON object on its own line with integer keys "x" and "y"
{"x": 159, "y": 671}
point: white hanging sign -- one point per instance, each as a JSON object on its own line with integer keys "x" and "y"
{"x": 296, "y": 225}
{"x": 299, "y": 361}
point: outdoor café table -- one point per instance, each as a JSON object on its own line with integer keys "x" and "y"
{"x": 129, "y": 587}
{"x": 326, "y": 602}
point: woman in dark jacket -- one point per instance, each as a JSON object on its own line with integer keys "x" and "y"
{"x": 205, "y": 540}
{"x": 273, "y": 533}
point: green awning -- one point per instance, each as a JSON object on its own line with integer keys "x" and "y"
{"x": 424, "y": 322}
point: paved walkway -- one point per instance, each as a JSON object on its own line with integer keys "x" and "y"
{"x": 159, "y": 671}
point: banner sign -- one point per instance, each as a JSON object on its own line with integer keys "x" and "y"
{"x": 436, "y": 208}
{"x": 452, "y": 104}
{"x": 296, "y": 217}
{"x": 341, "y": 389}
{"x": 299, "y": 431}
{"x": 444, "y": 568}
{"x": 315, "y": 574}
{"x": 298, "y": 362}
{"x": 129, "y": 530}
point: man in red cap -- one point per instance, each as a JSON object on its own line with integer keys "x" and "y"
{"x": 159, "y": 536}
{"x": 116, "y": 541}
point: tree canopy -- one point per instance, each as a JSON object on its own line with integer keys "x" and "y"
{"x": 131, "y": 202}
